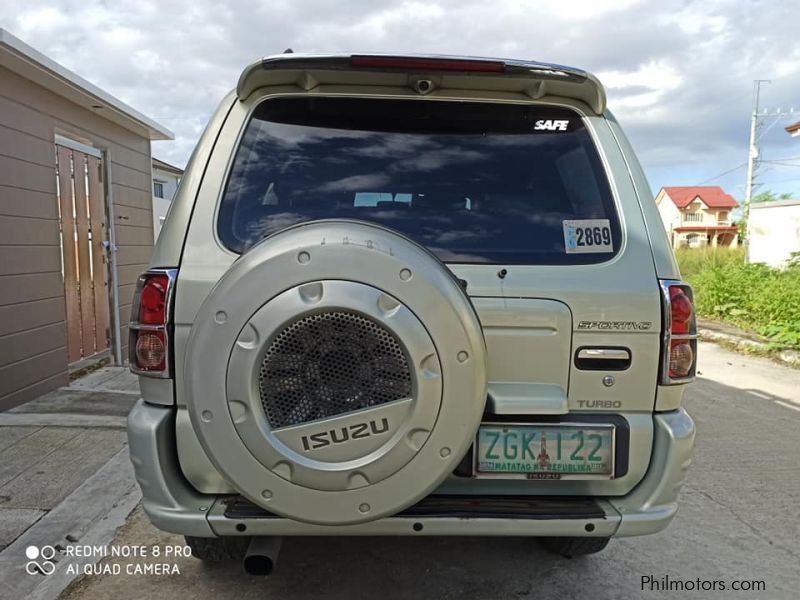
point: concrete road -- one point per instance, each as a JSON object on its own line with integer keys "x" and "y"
{"x": 51, "y": 445}
{"x": 64, "y": 475}
{"x": 738, "y": 521}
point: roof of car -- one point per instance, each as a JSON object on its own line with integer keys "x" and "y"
{"x": 535, "y": 79}
{"x": 712, "y": 195}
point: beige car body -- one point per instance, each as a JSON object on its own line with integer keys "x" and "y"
{"x": 617, "y": 303}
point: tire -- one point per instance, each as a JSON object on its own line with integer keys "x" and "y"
{"x": 336, "y": 373}
{"x": 569, "y": 547}
{"x": 217, "y": 549}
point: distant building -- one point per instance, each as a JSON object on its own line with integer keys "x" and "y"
{"x": 697, "y": 216}
{"x": 165, "y": 182}
{"x": 774, "y": 232}
{"x": 794, "y": 130}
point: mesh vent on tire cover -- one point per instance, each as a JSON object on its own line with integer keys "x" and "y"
{"x": 328, "y": 364}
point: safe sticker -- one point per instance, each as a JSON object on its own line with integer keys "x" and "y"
{"x": 551, "y": 125}
{"x": 583, "y": 236}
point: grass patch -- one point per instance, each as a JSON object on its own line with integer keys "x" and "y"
{"x": 751, "y": 296}
{"x": 697, "y": 260}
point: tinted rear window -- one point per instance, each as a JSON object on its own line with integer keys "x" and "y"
{"x": 473, "y": 182}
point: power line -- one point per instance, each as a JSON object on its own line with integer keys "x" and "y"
{"x": 781, "y": 181}
{"x": 777, "y": 161}
{"x": 723, "y": 173}
{"x": 776, "y": 118}
{"x": 770, "y": 126}
{"x": 780, "y": 163}
{"x": 785, "y": 158}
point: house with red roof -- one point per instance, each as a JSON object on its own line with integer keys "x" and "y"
{"x": 697, "y": 216}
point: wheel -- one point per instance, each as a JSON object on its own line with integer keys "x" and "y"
{"x": 338, "y": 373}
{"x": 217, "y": 549}
{"x": 574, "y": 546}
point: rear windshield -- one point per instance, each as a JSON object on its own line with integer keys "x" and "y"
{"x": 473, "y": 182}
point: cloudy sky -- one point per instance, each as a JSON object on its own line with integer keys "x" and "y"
{"x": 679, "y": 74}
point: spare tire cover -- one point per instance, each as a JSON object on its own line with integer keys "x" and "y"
{"x": 336, "y": 373}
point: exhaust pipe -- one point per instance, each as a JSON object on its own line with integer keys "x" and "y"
{"x": 262, "y": 555}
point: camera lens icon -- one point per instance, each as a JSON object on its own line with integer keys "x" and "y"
{"x": 43, "y": 566}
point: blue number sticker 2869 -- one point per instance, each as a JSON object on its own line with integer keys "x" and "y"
{"x": 587, "y": 235}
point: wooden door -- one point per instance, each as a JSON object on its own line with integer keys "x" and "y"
{"x": 83, "y": 232}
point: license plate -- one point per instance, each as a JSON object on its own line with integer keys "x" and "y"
{"x": 571, "y": 451}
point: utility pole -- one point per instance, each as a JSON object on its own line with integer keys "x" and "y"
{"x": 751, "y": 164}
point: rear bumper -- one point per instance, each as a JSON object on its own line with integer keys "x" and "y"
{"x": 173, "y": 505}
{"x": 653, "y": 503}
{"x": 439, "y": 515}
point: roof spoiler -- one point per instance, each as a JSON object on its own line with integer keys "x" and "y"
{"x": 446, "y": 72}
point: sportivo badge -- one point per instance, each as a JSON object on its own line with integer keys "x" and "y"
{"x": 615, "y": 325}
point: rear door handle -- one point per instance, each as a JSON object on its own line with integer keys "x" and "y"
{"x": 602, "y": 359}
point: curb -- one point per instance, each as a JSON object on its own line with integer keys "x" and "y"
{"x": 9, "y": 419}
{"x": 748, "y": 345}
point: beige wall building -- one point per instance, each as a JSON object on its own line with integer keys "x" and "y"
{"x": 166, "y": 179}
{"x": 697, "y": 216}
{"x": 76, "y": 223}
{"x": 774, "y": 232}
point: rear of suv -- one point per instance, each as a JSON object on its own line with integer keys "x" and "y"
{"x": 411, "y": 295}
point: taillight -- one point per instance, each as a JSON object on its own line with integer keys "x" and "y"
{"x": 681, "y": 309}
{"x": 151, "y": 351}
{"x": 148, "y": 348}
{"x": 153, "y": 300}
{"x": 679, "y": 350}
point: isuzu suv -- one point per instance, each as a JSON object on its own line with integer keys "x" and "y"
{"x": 411, "y": 295}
